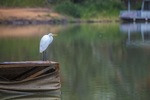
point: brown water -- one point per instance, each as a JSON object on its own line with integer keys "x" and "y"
{"x": 98, "y": 61}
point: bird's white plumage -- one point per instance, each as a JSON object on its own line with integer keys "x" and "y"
{"x": 45, "y": 41}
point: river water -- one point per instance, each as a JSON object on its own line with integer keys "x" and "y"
{"x": 97, "y": 61}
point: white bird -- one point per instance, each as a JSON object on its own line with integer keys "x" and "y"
{"x": 46, "y": 40}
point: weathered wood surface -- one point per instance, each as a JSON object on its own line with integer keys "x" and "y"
{"x": 27, "y": 64}
{"x": 25, "y": 70}
{"x": 29, "y": 76}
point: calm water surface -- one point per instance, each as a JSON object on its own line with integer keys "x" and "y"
{"x": 98, "y": 61}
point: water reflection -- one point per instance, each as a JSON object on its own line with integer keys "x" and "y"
{"x": 95, "y": 61}
{"x": 97, "y": 64}
{"x": 138, "y": 33}
{"x": 13, "y": 95}
{"x": 27, "y": 30}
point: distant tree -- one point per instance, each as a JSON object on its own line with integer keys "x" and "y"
{"x": 135, "y": 4}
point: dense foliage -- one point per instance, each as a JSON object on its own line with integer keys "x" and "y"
{"x": 89, "y": 8}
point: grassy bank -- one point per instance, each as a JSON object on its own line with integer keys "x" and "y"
{"x": 78, "y": 9}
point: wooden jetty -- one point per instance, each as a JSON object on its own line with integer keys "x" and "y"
{"x": 29, "y": 76}
{"x": 136, "y": 15}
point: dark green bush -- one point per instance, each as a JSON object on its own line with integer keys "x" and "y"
{"x": 69, "y": 8}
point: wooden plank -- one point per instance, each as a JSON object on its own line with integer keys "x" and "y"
{"x": 27, "y": 64}
{"x": 38, "y": 73}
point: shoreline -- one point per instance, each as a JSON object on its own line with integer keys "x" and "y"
{"x": 52, "y": 21}
{"x": 26, "y": 16}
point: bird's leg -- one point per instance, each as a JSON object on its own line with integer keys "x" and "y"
{"x": 41, "y": 56}
{"x": 44, "y": 53}
{"x": 44, "y": 56}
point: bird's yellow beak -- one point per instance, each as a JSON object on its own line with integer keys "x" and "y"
{"x": 55, "y": 34}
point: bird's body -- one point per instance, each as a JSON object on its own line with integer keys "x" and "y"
{"x": 46, "y": 40}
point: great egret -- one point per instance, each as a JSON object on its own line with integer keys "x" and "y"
{"x": 46, "y": 40}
